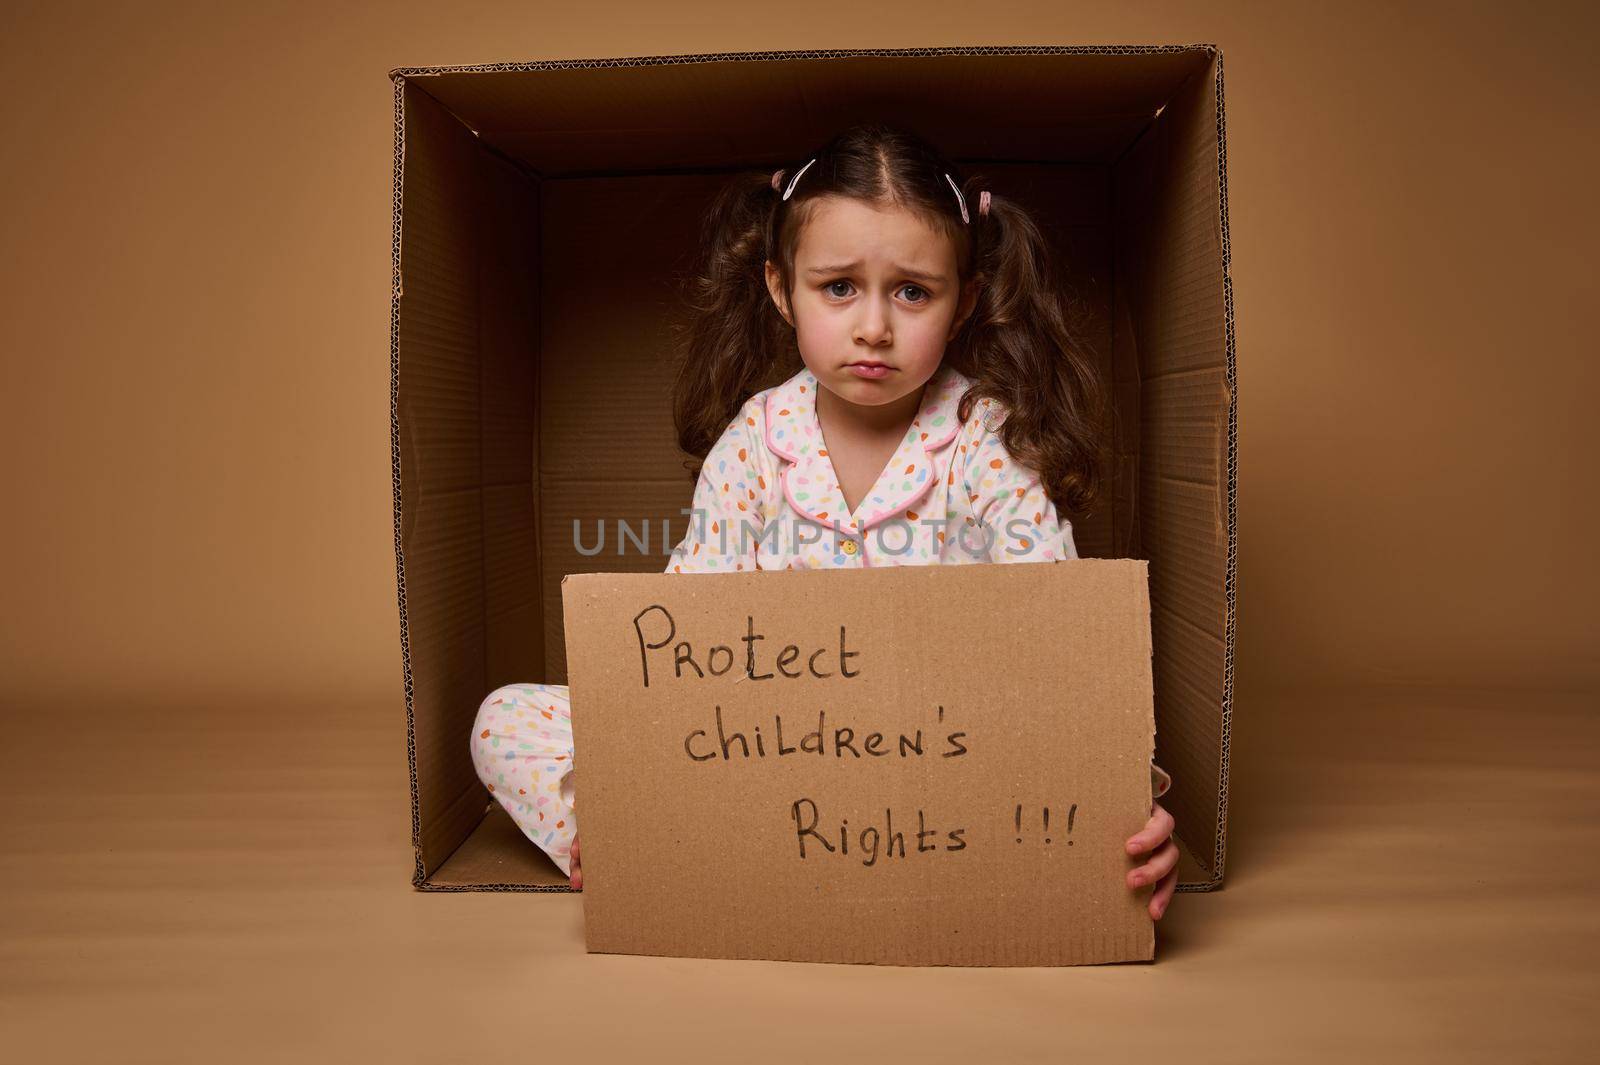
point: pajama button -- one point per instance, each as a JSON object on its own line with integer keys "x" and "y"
{"x": 849, "y": 547}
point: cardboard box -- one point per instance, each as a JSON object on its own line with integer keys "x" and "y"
{"x": 812, "y": 766}
{"x": 542, "y": 211}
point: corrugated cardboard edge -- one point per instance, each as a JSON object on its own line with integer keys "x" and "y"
{"x": 418, "y": 877}
{"x": 398, "y": 75}
{"x": 1230, "y": 586}
{"x": 816, "y": 53}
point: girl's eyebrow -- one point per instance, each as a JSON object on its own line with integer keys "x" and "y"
{"x": 901, "y": 270}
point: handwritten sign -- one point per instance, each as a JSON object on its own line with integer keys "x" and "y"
{"x": 908, "y": 765}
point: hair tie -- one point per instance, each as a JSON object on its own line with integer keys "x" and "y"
{"x": 777, "y": 178}
{"x": 983, "y": 203}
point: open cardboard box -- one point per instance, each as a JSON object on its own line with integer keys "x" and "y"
{"x": 541, "y": 212}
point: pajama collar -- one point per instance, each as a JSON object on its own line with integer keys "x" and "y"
{"x": 809, "y": 481}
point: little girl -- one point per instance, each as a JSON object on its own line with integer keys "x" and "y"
{"x": 939, "y": 414}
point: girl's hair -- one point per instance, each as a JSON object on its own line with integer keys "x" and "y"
{"x": 1016, "y": 346}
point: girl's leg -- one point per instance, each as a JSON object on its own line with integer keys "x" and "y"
{"x": 522, "y": 750}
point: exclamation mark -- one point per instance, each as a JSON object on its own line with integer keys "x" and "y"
{"x": 1071, "y": 814}
{"x": 1047, "y": 824}
{"x": 1019, "y": 822}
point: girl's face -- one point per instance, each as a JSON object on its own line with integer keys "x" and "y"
{"x": 876, "y": 299}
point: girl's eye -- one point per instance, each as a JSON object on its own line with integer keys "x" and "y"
{"x": 831, "y": 289}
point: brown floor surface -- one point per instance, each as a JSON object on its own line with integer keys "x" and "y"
{"x": 1411, "y": 877}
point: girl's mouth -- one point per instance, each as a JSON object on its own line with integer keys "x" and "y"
{"x": 870, "y": 370}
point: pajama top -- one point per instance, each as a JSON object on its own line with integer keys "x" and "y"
{"x": 768, "y": 497}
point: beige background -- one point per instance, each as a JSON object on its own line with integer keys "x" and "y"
{"x": 203, "y": 763}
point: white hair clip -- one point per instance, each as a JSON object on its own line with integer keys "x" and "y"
{"x": 962, "y": 200}
{"x": 790, "y": 190}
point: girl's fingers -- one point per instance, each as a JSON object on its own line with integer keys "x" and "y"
{"x": 1163, "y": 894}
{"x": 577, "y": 869}
{"x": 1158, "y": 828}
{"x": 1161, "y": 863}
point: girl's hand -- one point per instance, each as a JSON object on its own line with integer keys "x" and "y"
{"x": 577, "y": 872}
{"x": 1162, "y": 866}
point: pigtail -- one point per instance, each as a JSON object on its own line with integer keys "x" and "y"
{"x": 1021, "y": 352}
{"x": 734, "y": 341}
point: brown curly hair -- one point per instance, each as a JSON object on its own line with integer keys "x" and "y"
{"x": 1016, "y": 346}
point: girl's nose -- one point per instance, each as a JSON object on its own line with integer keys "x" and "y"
{"x": 873, "y": 325}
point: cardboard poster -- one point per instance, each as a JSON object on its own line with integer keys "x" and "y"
{"x": 909, "y": 765}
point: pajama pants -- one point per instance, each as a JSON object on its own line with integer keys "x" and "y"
{"x": 522, "y": 749}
